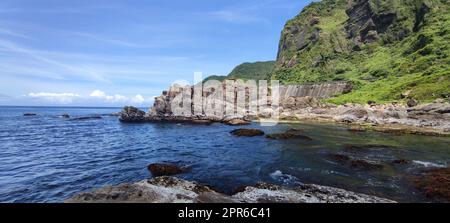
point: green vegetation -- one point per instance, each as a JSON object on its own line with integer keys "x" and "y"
{"x": 249, "y": 71}
{"x": 411, "y": 54}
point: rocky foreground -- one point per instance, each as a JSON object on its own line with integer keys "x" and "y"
{"x": 173, "y": 190}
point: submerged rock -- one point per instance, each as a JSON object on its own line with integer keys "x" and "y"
{"x": 86, "y": 118}
{"x": 355, "y": 163}
{"x": 65, "y": 115}
{"x": 247, "y": 132}
{"x": 435, "y": 183}
{"x": 173, "y": 190}
{"x": 162, "y": 169}
{"x": 290, "y": 134}
{"x": 29, "y": 114}
{"x": 400, "y": 162}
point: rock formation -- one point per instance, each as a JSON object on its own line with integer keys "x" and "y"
{"x": 173, "y": 190}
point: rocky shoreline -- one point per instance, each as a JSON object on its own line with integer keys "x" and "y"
{"x": 425, "y": 119}
{"x": 173, "y": 190}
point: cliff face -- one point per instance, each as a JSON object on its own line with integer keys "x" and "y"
{"x": 385, "y": 47}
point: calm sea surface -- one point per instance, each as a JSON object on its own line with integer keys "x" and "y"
{"x": 47, "y": 158}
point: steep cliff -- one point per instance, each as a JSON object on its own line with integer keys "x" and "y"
{"x": 390, "y": 49}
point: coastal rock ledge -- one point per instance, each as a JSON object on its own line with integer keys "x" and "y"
{"x": 174, "y": 190}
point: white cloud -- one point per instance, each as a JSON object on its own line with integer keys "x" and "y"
{"x": 62, "y": 98}
{"x": 117, "y": 98}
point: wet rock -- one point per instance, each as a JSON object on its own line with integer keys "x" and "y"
{"x": 247, "y": 132}
{"x": 173, "y": 190}
{"x": 412, "y": 103}
{"x": 435, "y": 183}
{"x": 132, "y": 114}
{"x": 162, "y": 169}
{"x": 400, "y": 162}
{"x": 354, "y": 163}
{"x": 65, "y": 115}
{"x": 290, "y": 134}
{"x": 30, "y": 114}
{"x": 236, "y": 122}
{"x": 365, "y": 165}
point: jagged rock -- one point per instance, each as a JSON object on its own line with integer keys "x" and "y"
{"x": 173, "y": 190}
{"x": 435, "y": 183}
{"x": 247, "y": 132}
{"x": 132, "y": 114}
{"x": 163, "y": 169}
{"x": 290, "y": 134}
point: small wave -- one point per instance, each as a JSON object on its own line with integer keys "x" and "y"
{"x": 428, "y": 164}
{"x": 285, "y": 178}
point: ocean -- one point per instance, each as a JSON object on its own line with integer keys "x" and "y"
{"x": 49, "y": 158}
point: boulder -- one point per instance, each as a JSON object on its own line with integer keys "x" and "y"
{"x": 132, "y": 114}
{"x": 247, "y": 132}
{"x": 162, "y": 169}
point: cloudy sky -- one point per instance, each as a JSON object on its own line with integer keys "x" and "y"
{"x": 114, "y": 53}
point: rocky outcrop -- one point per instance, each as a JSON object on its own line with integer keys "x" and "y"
{"x": 247, "y": 132}
{"x": 132, "y": 114}
{"x": 164, "y": 169}
{"x": 322, "y": 90}
{"x": 173, "y": 190}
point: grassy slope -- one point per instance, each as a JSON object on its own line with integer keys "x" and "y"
{"x": 383, "y": 70}
{"x": 249, "y": 71}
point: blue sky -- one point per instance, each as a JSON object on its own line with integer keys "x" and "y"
{"x": 113, "y": 53}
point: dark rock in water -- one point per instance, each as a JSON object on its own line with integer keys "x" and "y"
{"x": 365, "y": 165}
{"x": 400, "y": 162}
{"x": 236, "y": 121}
{"x": 86, "y": 118}
{"x": 339, "y": 158}
{"x": 354, "y": 163}
{"x": 435, "y": 183}
{"x": 132, "y": 114}
{"x": 29, "y": 114}
{"x": 162, "y": 169}
{"x": 65, "y": 116}
{"x": 412, "y": 103}
{"x": 290, "y": 134}
{"x": 247, "y": 132}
